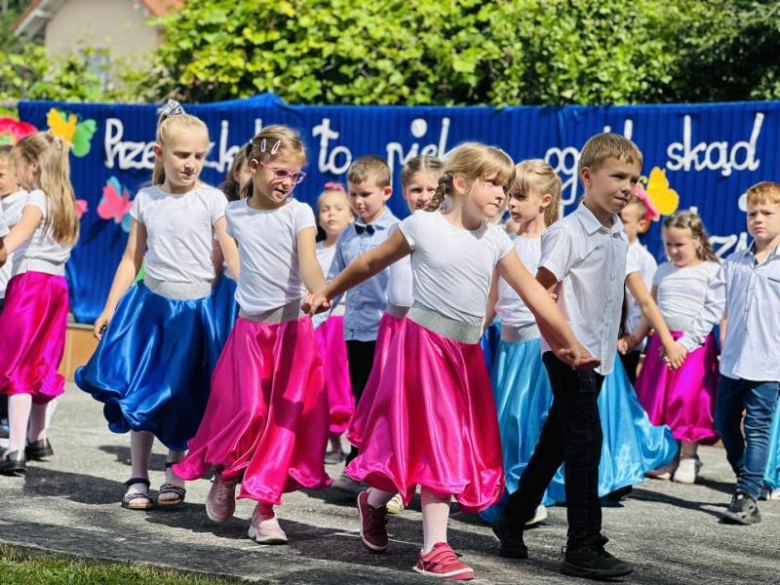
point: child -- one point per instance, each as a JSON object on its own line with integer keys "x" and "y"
{"x": 333, "y": 217}
{"x": 584, "y": 260}
{"x": 225, "y": 305}
{"x": 636, "y": 217}
{"x": 368, "y": 186}
{"x": 684, "y": 399}
{"x": 158, "y": 342}
{"x": 35, "y": 316}
{"x": 266, "y": 423}
{"x": 419, "y": 180}
{"x": 746, "y": 290}
{"x": 432, "y": 421}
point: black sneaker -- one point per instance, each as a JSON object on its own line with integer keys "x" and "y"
{"x": 743, "y": 510}
{"x": 14, "y": 464}
{"x": 511, "y": 537}
{"x": 39, "y": 450}
{"x": 593, "y": 562}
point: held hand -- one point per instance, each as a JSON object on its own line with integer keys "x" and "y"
{"x": 674, "y": 355}
{"x": 314, "y": 303}
{"x": 101, "y": 323}
{"x": 578, "y": 358}
{"x": 3, "y": 254}
{"x": 624, "y": 344}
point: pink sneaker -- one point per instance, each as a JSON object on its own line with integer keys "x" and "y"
{"x": 373, "y": 524}
{"x": 221, "y": 501}
{"x": 265, "y": 529}
{"x": 442, "y": 562}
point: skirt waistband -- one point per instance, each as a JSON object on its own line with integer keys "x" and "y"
{"x": 178, "y": 291}
{"x": 438, "y": 323}
{"x": 518, "y": 334}
{"x": 39, "y": 265}
{"x": 289, "y": 312}
{"x": 679, "y": 323}
{"x": 397, "y": 311}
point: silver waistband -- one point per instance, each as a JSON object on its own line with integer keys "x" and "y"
{"x": 397, "y": 311}
{"x": 289, "y": 312}
{"x": 38, "y": 265}
{"x": 178, "y": 291}
{"x": 438, "y": 323}
{"x": 518, "y": 334}
{"x": 679, "y": 323}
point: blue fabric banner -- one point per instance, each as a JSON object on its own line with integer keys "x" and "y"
{"x": 701, "y": 156}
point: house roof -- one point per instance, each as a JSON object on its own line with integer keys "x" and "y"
{"x": 39, "y": 12}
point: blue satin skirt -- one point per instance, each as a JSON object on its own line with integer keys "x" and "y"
{"x": 225, "y": 308}
{"x": 489, "y": 343}
{"x": 772, "y": 475}
{"x": 632, "y": 446}
{"x": 152, "y": 368}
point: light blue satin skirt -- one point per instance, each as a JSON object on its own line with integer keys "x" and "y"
{"x": 772, "y": 476}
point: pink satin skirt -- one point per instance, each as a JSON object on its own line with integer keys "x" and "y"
{"x": 432, "y": 422}
{"x": 333, "y": 348}
{"x": 266, "y": 421}
{"x": 683, "y": 399}
{"x": 33, "y": 325}
{"x": 387, "y": 328}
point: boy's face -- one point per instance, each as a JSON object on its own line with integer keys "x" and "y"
{"x": 367, "y": 199}
{"x": 634, "y": 222}
{"x": 7, "y": 178}
{"x": 763, "y": 221}
{"x": 611, "y": 186}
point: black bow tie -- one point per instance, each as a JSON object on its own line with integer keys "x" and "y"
{"x": 369, "y": 229}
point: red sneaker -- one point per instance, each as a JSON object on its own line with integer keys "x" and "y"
{"x": 373, "y": 529}
{"x": 221, "y": 501}
{"x": 442, "y": 562}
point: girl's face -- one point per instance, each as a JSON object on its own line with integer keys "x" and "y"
{"x": 274, "y": 180}
{"x": 681, "y": 247}
{"x": 420, "y": 190}
{"x": 486, "y": 197}
{"x": 26, "y": 172}
{"x": 241, "y": 175}
{"x": 334, "y": 214}
{"x": 182, "y": 157}
{"x": 526, "y": 206}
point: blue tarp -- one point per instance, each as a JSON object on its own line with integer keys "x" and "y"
{"x": 710, "y": 154}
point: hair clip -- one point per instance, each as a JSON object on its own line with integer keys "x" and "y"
{"x": 171, "y": 108}
{"x": 335, "y": 187}
{"x": 275, "y": 149}
{"x": 262, "y": 146}
{"x": 652, "y": 211}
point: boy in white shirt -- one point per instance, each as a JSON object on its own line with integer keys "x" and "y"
{"x": 746, "y": 291}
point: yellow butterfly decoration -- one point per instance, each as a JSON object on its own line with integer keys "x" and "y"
{"x": 64, "y": 128}
{"x": 665, "y": 199}
{"x": 68, "y": 127}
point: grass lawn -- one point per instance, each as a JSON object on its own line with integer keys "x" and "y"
{"x": 23, "y": 566}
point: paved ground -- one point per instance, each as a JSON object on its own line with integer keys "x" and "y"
{"x": 70, "y": 505}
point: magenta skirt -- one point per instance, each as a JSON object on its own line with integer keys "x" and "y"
{"x": 266, "y": 421}
{"x": 432, "y": 422}
{"x": 387, "y": 328}
{"x": 333, "y": 348}
{"x": 683, "y": 399}
{"x": 33, "y": 325}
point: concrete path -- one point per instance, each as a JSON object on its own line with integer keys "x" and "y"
{"x": 71, "y": 505}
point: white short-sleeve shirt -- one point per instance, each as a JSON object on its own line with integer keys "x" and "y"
{"x": 11, "y": 208}
{"x": 180, "y": 232}
{"x": 42, "y": 245}
{"x": 681, "y": 291}
{"x": 400, "y": 283}
{"x": 642, "y": 261}
{"x": 451, "y": 266}
{"x": 268, "y": 253}
{"x": 589, "y": 261}
{"x": 510, "y": 308}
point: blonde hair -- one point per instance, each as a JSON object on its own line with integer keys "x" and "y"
{"x": 635, "y": 201}
{"x": 230, "y": 186}
{"x": 764, "y": 192}
{"x": 50, "y": 153}
{"x": 369, "y": 167}
{"x": 273, "y": 142}
{"x": 601, "y": 147}
{"x": 330, "y": 191}
{"x": 5, "y": 152}
{"x": 472, "y": 161}
{"x": 688, "y": 220}
{"x": 537, "y": 175}
{"x": 167, "y": 124}
{"x": 420, "y": 164}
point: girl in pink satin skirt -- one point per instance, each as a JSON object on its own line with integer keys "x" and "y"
{"x": 432, "y": 421}
{"x": 266, "y": 421}
{"x": 683, "y": 399}
{"x": 333, "y": 216}
{"x": 35, "y": 315}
